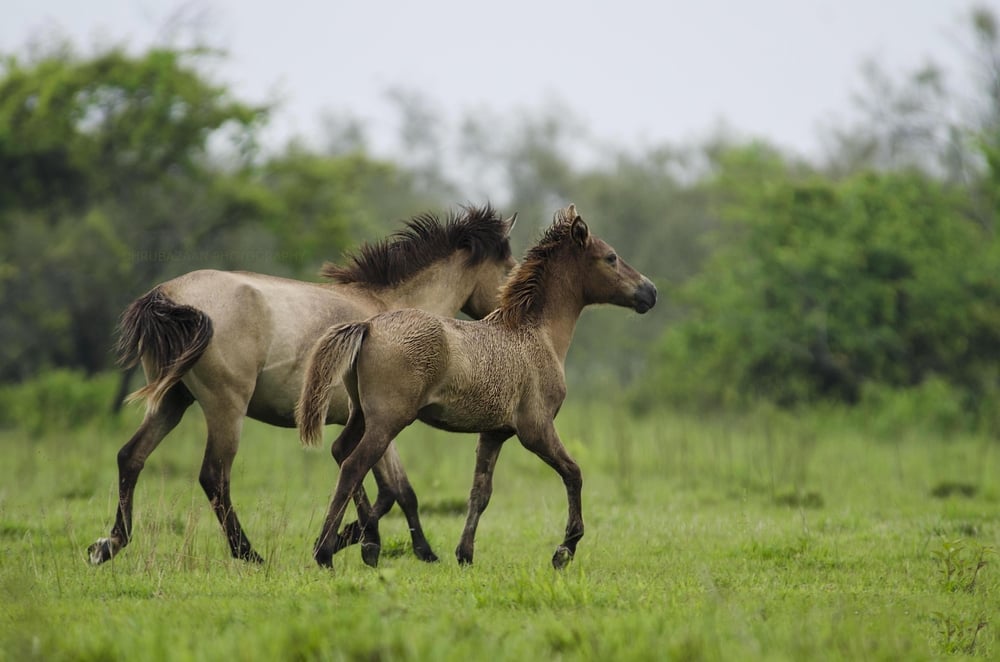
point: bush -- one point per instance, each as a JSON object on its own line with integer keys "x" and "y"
{"x": 58, "y": 399}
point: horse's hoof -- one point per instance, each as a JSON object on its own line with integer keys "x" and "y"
{"x": 370, "y": 552}
{"x": 425, "y": 554}
{"x": 350, "y": 535}
{"x": 323, "y": 559}
{"x": 100, "y": 551}
{"x": 562, "y": 556}
{"x": 251, "y": 556}
{"x": 464, "y": 557}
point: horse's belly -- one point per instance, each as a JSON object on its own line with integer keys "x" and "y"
{"x": 467, "y": 419}
{"x": 275, "y": 404}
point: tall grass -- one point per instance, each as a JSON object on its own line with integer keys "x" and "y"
{"x": 769, "y": 535}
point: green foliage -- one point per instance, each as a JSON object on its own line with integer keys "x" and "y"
{"x": 818, "y": 287}
{"x": 57, "y": 400}
{"x": 75, "y": 130}
{"x": 124, "y": 170}
{"x": 960, "y": 563}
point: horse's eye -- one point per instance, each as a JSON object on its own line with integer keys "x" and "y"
{"x": 611, "y": 259}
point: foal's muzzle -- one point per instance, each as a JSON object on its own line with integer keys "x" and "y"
{"x": 645, "y": 296}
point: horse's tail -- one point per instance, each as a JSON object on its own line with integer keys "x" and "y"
{"x": 332, "y": 360}
{"x": 170, "y": 337}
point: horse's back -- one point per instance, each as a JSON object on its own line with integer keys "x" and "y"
{"x": 264, "y": 326}
{"x": 458, "y": 375}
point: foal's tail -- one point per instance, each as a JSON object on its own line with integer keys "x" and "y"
{"x": 170, "y": 336}
{"x": 332, "y": 360}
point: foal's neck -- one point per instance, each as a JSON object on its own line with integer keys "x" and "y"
{"x": 562, "y": 308}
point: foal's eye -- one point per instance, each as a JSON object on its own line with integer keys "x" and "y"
{"x": 611, "y": 259}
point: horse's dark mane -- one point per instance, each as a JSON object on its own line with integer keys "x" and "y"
{"x": 425, "y": 240}
{"x": 521, "y": 296}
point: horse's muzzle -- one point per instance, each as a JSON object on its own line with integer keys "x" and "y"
{"x": 645, "y": 296}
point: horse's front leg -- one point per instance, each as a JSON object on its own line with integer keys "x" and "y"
{"x": 549, "y": 448}
{"x": 224, "y": 428}
{"x": 487, "y": 452}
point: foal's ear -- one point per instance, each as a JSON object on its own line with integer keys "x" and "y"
{"x": 510, "y": 223}
{"x": 580, "y": 232}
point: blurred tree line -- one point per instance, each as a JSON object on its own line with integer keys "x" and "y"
{"x": 783, "y": 279}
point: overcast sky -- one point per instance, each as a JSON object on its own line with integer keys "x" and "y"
{"x": 633, "y": 71}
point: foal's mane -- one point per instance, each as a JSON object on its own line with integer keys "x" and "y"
{"x": 425, "y": 240}
{"x": 521, "y": 297}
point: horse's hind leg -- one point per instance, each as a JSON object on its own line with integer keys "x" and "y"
{"x": 224, "y": 427}
{"x": 393, "y": 487}
{"x": 131, "y": 459}
{"x": 487, "y": 452}
{"x": 353, "y": 468}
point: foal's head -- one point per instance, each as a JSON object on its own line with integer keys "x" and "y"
{"x": 570, "y": 264}
{"x": 604, "y": 276}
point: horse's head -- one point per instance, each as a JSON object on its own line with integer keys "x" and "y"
{"x": 486, "y": 277}
{"x": 605, "y": 277}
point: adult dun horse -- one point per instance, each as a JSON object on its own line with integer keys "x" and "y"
{"x": 237, "y": 343}
{"x": 501, "y": 376}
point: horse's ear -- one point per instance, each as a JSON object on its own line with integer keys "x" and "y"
{"x": 579, "y": 231}
{"x": 565, "y": 215}
{"x": 510, "y": 223}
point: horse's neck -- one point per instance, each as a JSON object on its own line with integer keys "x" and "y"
{"x": 437, "y": 289}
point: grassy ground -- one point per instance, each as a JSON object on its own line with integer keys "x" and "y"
{"x": 720, "y": 538}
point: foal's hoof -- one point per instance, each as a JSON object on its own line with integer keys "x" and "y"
{"x": 562, "y": 556}
{"x": 100, "y": 551}
{"x": 370, "y": 552}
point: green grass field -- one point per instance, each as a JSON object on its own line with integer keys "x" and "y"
{"x": 720, "y": 538}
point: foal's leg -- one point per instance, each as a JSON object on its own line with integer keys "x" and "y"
{"x": 131, "y": 459}
{"x": 393, "y": 486}
{"x": 225, "y": 423}
{"x": 487, "y": 452}
{"x": 356, "y": 464}
{"x": 546, "y": 445}
{"x": 365, "y": 528}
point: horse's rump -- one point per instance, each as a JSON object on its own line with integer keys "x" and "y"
{"x": 170, "y": 337}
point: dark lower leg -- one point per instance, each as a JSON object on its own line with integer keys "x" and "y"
{"x": 487, "y": 452}
{"x": 574, "y": 524}
{"x": 131, "y": 460}
{"x": 352, "y": 471}
{"x": 214, "y": 480}
{"x": 549, "y": 448}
